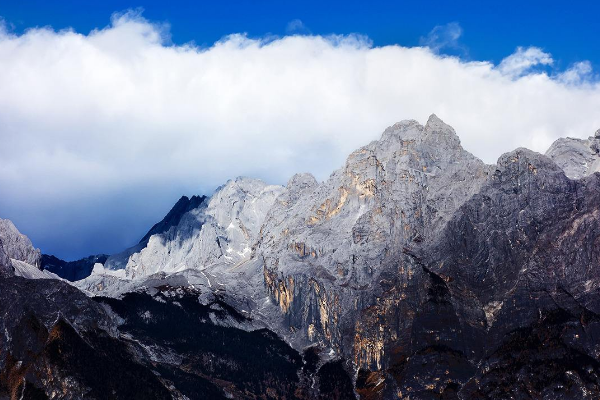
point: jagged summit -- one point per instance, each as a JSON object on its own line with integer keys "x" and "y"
{"x": 409, "y": 128}
{"x": 434, "y": 122}
{"x": 402, "y": 127}
{"x": 435, "y": 136}
{"x": 183, "y": 205}
{"x": 301, "y": 180}
{"x": 523, "y": 160}
{"x": 18, "y": 256}
{"x": 201, "y": 232}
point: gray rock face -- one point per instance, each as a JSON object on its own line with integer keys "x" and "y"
{"x": 330, "y": 249}
{"x": 5, "y": 264}
{"x": 433, "y": 274}
{"x": 183, "y": 205}
{"x": 221, "y": 229}
{"x": 509, "y": 292}
{"x": 18, "y": 246}
{"x": 57, "y": 343}
{"x": 577, "y": 157}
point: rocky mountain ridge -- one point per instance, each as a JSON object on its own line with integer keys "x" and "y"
{"x": 415, "y": 271}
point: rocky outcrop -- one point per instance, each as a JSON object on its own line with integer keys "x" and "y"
{"x": 6, "y": 268}
{"x": 18, "y": 246}
{"x": 577, "y": 157}
{"x": 221, "y": 229}
{"x": 59, "y": 344}
{"x": 331, "y": 250}
{"x": 508, "y": 294}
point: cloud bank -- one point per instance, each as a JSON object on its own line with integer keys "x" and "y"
{"x": 100, "y": 133}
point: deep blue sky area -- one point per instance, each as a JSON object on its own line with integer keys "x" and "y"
{"x": 570, "y": 31}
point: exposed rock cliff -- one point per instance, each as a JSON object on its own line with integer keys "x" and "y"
{"x": 331, "y": 250}
{"x": 508, "y": 294}
{"x": 5, "y": 264}
{"x": 59, "y": 344}
{"x": 183, "y": 205}
{"x": 18, "y": 246}
{"x": 577, "y": 157}
{"x": 221, "y": 229}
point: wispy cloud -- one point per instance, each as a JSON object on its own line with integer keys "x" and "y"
{"x": 96, "y": 128}
{"x": 295, "y": 27}
{"x": 523, "y": 60}
{"x": 443, "y": 37}
{"x": 579, "y": 73}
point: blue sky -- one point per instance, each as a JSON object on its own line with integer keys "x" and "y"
{"x": 110, "y": 111}
{"x": 491, "y": 29}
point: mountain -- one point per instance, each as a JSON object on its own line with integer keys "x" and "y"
{"x": 577, "y": 157}
{"x": 63, "y": 344}
{"x": 221, "y": 229}
{"x": 331, "y": 249}
{"x": 17, "y": 254}
{"x": 71, "y": 270}
{"x": 183, "y": 205}
{"x": 503, "y": 301}
{"x": 18, "y": 246}
{"x": 414, "y": 271}
{"x": 80, "y": 269}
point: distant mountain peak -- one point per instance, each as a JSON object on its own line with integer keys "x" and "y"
{"x": 183, "y": 205}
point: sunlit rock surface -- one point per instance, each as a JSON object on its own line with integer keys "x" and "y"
{"x": 332, "y": 250}
{"x": 220, "y": 229}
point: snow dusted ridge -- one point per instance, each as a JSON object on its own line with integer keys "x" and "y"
{"x": 31, "y": 272}
{"x": 221, "y": 229}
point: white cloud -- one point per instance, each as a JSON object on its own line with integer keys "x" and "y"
{"x": 123, "y": 113}
{"x": 522, "y": 60}
{"x": 443, "y": 36}
{"x": 296, "y": 26}
{"x": 579, "y": 73}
